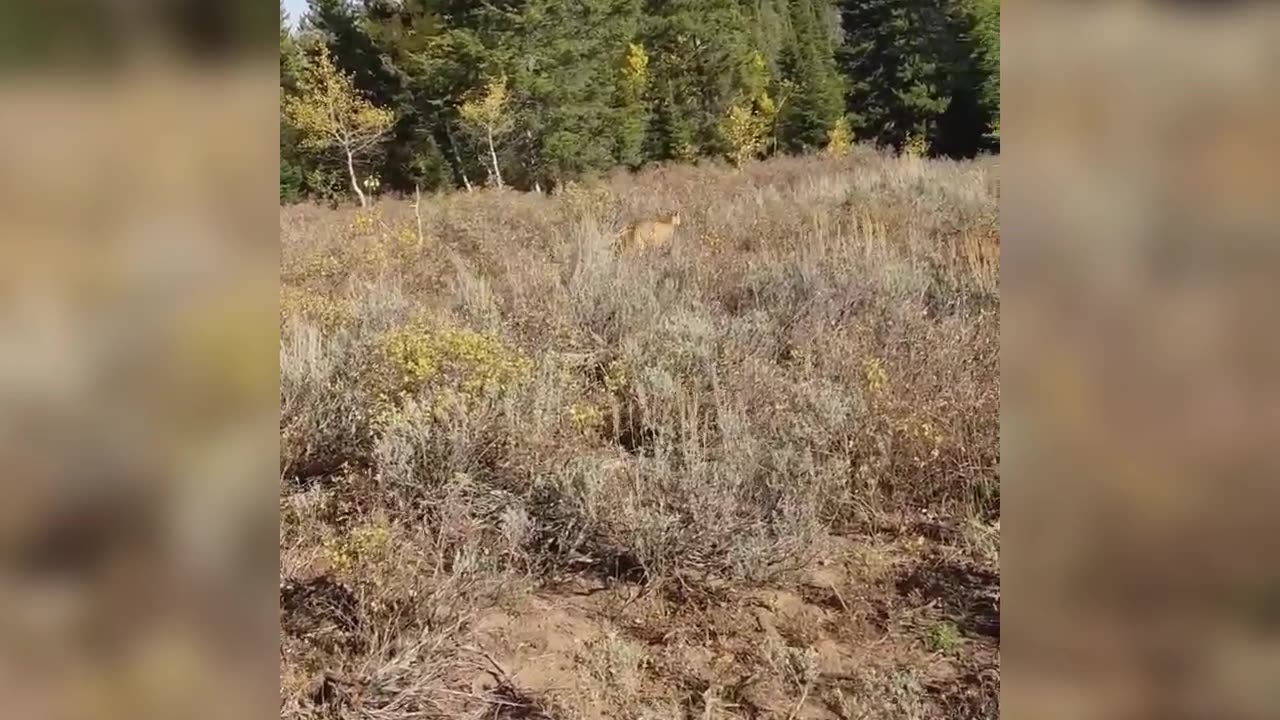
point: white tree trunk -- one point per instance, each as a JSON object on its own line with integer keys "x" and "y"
{"x": 355, "y": 184}
{"x": 466, "y": 181}
{"x": 493, "y": 158}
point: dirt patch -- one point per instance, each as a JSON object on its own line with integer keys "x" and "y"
{"x": 536, "y": 640}
{"x": 835, "y": 642}
{"x": 969, "y": 595}
{"x": 972, "y": 696}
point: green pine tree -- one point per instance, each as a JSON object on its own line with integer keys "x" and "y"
{"x": 699, "y": 51}
{"x": 437, "y": 51}
{"x": 632, "y": 117}
{"x": 985, "y": 18}
{"x": 292, "y": 169}
{"x": 895, "y": 57}
{"x": 594, "y": 84}
{"x": 565, "y": 98}
{"x": 815, "y": 98}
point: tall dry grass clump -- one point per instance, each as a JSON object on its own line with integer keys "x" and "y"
{"x": 504, "y": 400}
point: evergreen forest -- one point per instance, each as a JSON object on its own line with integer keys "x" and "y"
{"x": 393, "y": 95}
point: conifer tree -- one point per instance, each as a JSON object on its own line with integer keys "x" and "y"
{"x": 632, "y": 113}
{"x": 596, "y": 83}
{"x": 341, "y": 25}
{"x": 434, "y": 50}
{"x": 985, "y": 18}
{"x": 292, "y": 172}
{"x": 894, "y": 56}
{"x": 700, "y": 48}
{"x": 563, "y": 82}
{"x": 816, "y": 91}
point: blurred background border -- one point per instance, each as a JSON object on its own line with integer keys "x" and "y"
{"x": 138, "y": 356}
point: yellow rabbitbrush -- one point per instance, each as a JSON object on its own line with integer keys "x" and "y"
{"x": 649, "y": 234}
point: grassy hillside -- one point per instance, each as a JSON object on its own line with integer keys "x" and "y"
{"x": 753, "y": 476}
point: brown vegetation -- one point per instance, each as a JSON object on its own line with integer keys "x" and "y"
{"x": 753, "y": 477}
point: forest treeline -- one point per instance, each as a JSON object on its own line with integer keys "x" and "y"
{"x": 530, "y": 93}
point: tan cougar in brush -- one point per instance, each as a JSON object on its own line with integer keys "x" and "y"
{"x": 649, "y": 234}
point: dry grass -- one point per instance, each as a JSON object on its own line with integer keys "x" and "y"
{"x": 698, "y": 483}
